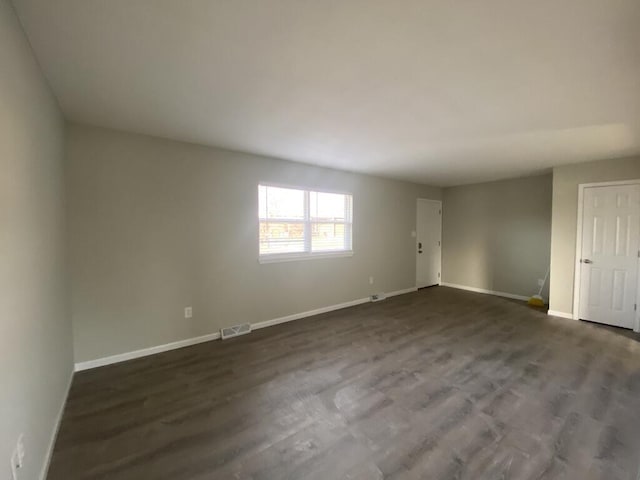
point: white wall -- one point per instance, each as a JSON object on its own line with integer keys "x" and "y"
{"x": 496, "y": 235}
{"x": 35, "y": 337}
{"x": 157, "y": 225}
{"x": 565, "y": 219}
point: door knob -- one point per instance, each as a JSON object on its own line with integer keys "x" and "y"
{"x": 586, "y": 260}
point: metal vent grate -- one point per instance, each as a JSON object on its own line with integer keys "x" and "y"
{"x": 376, "y": 297}
{"x": 230, "y": 332}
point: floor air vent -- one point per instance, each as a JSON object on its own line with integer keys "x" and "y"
{"x": 376, "y": 297}
{"x": 235, "y": 331}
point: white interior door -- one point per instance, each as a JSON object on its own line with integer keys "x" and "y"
{"x": 428, "y": 243}
{"x": 609, "y": 259}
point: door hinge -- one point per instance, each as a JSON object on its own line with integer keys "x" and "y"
{"x": 438, "y": 242}
{"x": 438, "y": 274}
{"x": 635, "y": 307}
{"x": 439, "y": 212}
{"x": 638, "y": 253}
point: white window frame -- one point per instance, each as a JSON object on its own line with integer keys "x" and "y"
{"x": 307, "y": 254}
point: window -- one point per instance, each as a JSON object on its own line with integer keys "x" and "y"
{"x": 298, "y": 224}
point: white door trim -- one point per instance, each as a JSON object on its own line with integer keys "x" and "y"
{"x": 439, "y": 202}
{"x": 578, "y": 253}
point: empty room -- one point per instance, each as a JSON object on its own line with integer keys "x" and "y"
{"x": 323, "y": 240}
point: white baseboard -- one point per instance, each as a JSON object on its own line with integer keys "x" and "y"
{"x": 555, "y": 313}
{"x": 56, "y": 428}
{"x": 402, "y": 292}
{"x": 122, "y": 357}
{"x": 318, "y": 311}
{"x": 309, "y": 313}
{"x": 489, "y": 292}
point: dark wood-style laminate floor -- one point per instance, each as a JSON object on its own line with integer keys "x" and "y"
{"x": 438, "y": 384}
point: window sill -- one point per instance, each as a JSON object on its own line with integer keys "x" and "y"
{"x": 295, "y": 257}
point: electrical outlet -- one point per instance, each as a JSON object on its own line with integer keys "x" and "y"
{"x": 541, "y": 282}
{"x": 370, "y": 280}
{"x": 188, "y": 312}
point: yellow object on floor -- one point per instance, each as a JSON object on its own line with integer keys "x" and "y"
{"x": 536, "y": 301}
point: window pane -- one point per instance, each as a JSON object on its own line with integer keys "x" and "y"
{"x": 330, "y": 207}
{"x": 285, "y": 203}
{"x": 262, "y": 201}
{"x": 326, "y": 237}
{"x": 301, "y": 221}
{"x": 281, "y": 237}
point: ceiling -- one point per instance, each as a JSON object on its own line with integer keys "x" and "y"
{"x": 437, "y": 92}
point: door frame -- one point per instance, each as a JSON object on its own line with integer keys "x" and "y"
{"x": 578, "y": 253}
{"x": 439, "y": 202}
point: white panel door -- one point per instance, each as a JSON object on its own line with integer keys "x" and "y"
{"x": 428, "y": 243}
{"x": 609, "y": 260}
